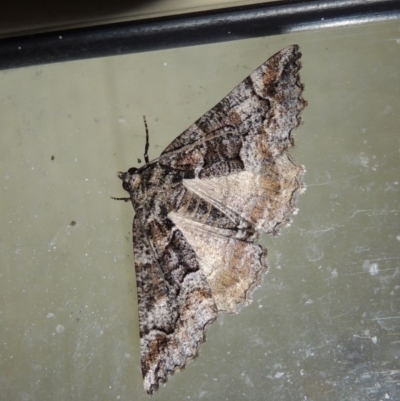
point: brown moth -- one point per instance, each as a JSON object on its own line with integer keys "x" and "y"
{"x": 199, "y": 209}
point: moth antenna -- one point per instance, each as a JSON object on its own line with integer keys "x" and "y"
{"x": 146, "y": 148}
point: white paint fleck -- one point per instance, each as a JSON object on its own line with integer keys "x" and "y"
{"x": 121, "y": 120}
{"x": 247, "y": 380}
{"x": 371, "y": 268}
{"x": 60, "y": 329}
{"x": 50, "y": 315}
{"x": 398, "y": 237}
{"x": 334, "y": 273}
{"x": 364, "y": 159}
{"x": 374, "y": 339}
{"x": 278, "y": 375}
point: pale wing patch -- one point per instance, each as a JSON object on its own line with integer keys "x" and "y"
{"x": 264, "y": 198}
{"x": 232, "y": 267}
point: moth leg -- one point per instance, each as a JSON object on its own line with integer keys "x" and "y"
{"x": 146, "y": 148}
{"x": 121, "y": 199}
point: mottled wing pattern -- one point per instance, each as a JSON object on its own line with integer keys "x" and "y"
{"x": 199, "y": 208}
{"x": 242, "y": 143}
{"x": 252, "y": 124}
{"x": 175, "y": 301}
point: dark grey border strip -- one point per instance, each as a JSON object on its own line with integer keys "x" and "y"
{"x": 191, "y": 29}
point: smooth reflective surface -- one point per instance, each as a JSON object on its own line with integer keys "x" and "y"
{"x": 20, "y": 18}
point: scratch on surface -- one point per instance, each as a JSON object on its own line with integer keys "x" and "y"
{"x": 325, "y": 230}
{"x": 374, "y": 212}
{"x": 342, "y": 314}
{"x": 388, "y": 258}
{"x": 318, "y": 232}
{"x": 333, "y": 181}
{"x": 369, "y": 272}
{"x": 385, "y": 318}
{"x": 390, "y": 372}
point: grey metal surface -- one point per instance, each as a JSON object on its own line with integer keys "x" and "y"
{"x": 325, "y": 323}
{"x": 191, "y": 29}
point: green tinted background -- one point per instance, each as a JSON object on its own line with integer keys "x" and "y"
{"x": 325, "y": 324}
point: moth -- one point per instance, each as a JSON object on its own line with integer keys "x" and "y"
{"x": 199, "y": 209}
